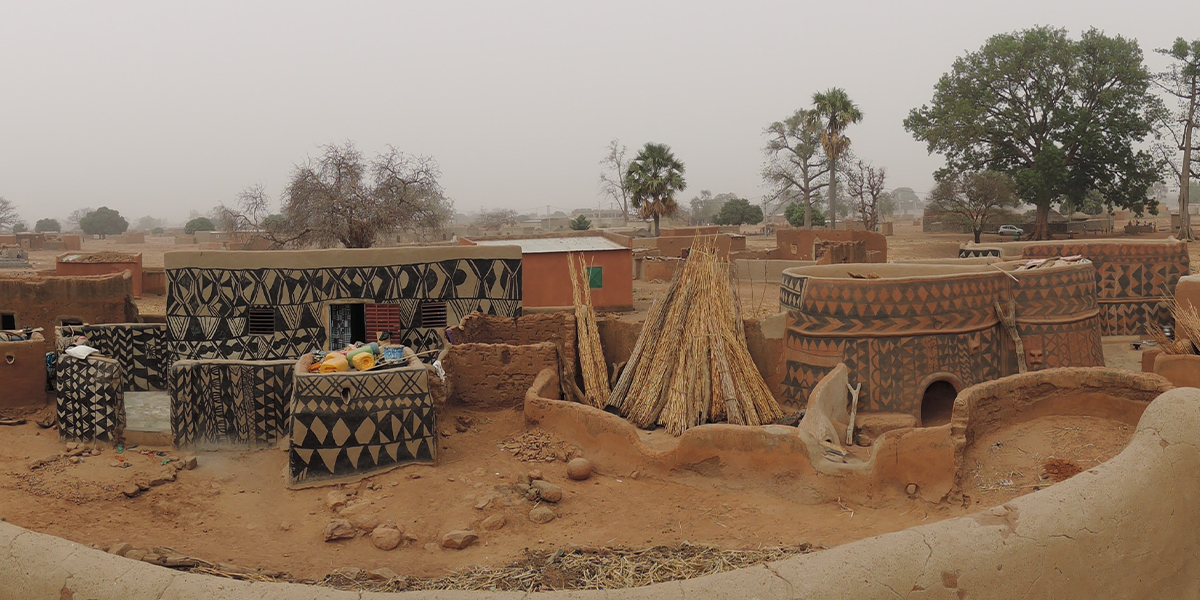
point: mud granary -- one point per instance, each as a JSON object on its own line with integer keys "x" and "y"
{"x": 1134, "y": 278}
{"x": 915, "y": 335}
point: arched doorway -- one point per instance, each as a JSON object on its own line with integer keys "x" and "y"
{"x": 937, "y": 403}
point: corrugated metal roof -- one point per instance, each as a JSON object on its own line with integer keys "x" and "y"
{"x": 558, "y": 244}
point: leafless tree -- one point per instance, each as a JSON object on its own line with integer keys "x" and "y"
{"x": 496, "y": 218}
{"x": 865, "y": 185}
{"x": 1181, "y": 82}
{"x": 977, "y": 198}
{"x": 340, "y": 198}
{"x": 8, "y": 213}
{"x": 77, "y": 215}
{"x": 612, "y": 178}
{"x": 796, "y": 165}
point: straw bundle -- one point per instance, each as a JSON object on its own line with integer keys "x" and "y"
{"x": 690, "y": 365}
{"x": 591, "y": 355}
{"x": 1187, "y": 330}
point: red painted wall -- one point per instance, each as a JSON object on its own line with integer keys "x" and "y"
{"x": 546, "y": 279}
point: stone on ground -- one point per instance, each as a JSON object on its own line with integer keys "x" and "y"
{"x": 459, "y": 539}
{"x": 579, "y": 469}
{"x": 494, "y": 522}
{"x": 386, "y": 537}
{"x": 541, "y": 515}
{"x": 339, "y": 529}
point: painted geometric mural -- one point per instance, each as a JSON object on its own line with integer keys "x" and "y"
{"x": 139, "y": 347}
{"x": 230, "y": 402}
{"x": 208, "y": 308}
{"x": 898, "y": 335}
{"x": 91, "y": 398}
{"x": 350, "y": 424}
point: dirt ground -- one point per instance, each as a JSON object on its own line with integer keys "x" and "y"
{"x": 234, "y": 507}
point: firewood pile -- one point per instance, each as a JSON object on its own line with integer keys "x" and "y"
{"x": 690, "y": 365}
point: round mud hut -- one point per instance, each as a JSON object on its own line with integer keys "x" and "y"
{"x": 914, "y": 335}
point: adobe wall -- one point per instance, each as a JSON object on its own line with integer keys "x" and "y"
{"x": 556, "y": 327}
{"x": 547, "y": 283}
{"x": 154, "y": 281}
{"x": 1134, "y": 277}
{"x": 495, "y": 376}
{"x": 797, "y": 244}
{"x": 917, "y": 324}
{"x": 347, "y": 425}
{"x": 67, "y": 268}
{"x": 23, "y": 373}
{"x": 140, "y": 348}
{"x": 209, "y": 294}
{"x": 230, "y": 402}
{"x": 42, "y": 301}
{"x": 673, "y": 246}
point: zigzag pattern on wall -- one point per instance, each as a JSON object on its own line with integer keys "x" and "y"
{"x": 206, "y": 308}
{"x": 350, "y": 424}
{"x": 223, "y": 402}
{"x": 91, "y": 399}
{"x": 141, "y": 348}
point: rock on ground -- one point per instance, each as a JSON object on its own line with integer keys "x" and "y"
{"x": 339, "y": 529}
{"x": 579, "y": 469}
{"x": 546, "y": 491}
{"x": 459, "y": 539}
{"x": 385, "y": 537}
{"x": 494, "y": 522}
{"x": 541, "y": 515}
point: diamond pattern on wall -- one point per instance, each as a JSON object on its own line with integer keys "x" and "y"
{"x": 90, "y": 398}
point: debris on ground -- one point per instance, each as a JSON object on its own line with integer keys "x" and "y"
{"x": 576, "y": 568}
{"x": 539, "y": 446}
{"x": 1058, "y": 469}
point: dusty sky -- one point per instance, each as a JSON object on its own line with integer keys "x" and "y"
{"x": 158, "y": 108}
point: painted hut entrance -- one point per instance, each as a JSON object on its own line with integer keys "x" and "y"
{"x": 937, "y": 403}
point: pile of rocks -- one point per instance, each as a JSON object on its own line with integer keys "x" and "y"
{"x": 353, "y": 517}
{"x": 167, "y": 474}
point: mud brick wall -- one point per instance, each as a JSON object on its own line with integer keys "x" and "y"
{"x": 44, "y": 301}
{"x": 495, "y": 375}
{"x": 91, "y": 399}
{"x": 209, "y": 294}
{"x": 140, "y": 348}
{"x": 225, "y": 402}
{"x": 920, "y": 324}
{"x": 23, "y": 373}
{"x": 345, "y": 425}
{"x": 556, "y": 327}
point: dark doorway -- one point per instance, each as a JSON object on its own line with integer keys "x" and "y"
{"x": 937, "y": 404}
{"x": 8, "y": 321}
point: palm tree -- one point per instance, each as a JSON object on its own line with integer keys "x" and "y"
{"x": 833, "y": 112}
{"x": 653, "y": 179}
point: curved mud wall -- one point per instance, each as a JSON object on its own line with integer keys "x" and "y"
{"x": 1133, "y": 277}
{"x": 917, "y": 324}
{"x": 1125, "y": 529}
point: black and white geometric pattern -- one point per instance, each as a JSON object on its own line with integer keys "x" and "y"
{"x": 351, "y": 424}
{"x": 91, "y": 399}
{"x": 206, "y": 308}
{"x": 139, "y": 347}
{"x": 217, "y": 403}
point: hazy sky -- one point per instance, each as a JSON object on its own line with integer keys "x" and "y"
{"x": 158, "y": 108}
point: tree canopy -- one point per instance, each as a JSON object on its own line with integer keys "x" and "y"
{"x": 739, "y": 211}
{"x": 1181, "y": 82}
{"x": 342, "y": 198}
{"x": 795, "y": 215}
{"x": 199, "y": 224}
{"x": 795, "y": 160}
{"x": 832, "y": 112}
{"x": 1060, "y": 116}
{"x": 496, "y": 218}
{"x": 976, "y": 198}
{"x": 44, "y": 225}
{"x": 653, "y": 179}
{"x": 103, "y": 222}
{"x": 581, "y": 223}
{"x": 8, "y": 213}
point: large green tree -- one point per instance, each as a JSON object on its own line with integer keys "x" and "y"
{"x": 103, "y": 222}
{"x": 653, "y": 179}
{"x": 832, "y": 112}
{"x": 975, "y": 198}
{"x": 796, "y": 164}
{"x": 739, "y": 211}
{"x": 44, "y": 225}
{"x": 1060, "y": 116}
{"x": 1181, "y": 82}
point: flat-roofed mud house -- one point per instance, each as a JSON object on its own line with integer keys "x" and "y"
{"x": 546, "y": 278}
{"x": 283, "y": 304}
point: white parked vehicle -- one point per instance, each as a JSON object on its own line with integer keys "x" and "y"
{"x": 1010, "y": 230}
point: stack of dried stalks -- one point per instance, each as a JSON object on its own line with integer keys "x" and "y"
{"x": 591, "y": 355}
{"x": 690, "y": 365}
{"x": 1187, "y": 330}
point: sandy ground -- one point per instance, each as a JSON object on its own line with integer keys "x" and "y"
{"x": 235, "y": 508}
